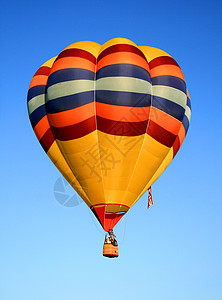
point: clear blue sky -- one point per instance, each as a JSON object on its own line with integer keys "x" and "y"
{"x": 171, "y": 251}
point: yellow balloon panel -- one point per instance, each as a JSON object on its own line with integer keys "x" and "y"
{"x": 148, "y": 161}
{"x": 61, "y": 164}
{"x": 152, "y": 52}
{"x": 83, "y": 159}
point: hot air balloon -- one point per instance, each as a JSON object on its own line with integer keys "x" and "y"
{"x": 111, "y": 118}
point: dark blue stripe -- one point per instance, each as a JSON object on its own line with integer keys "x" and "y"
{"x": 127, "y": 70}
{"x": 171, "y": 81}
{"x": 69, "y": 102}
{"x": 188, "y": 103}
{"x": 70, "y": 74}
{"x": 35, "y": 91}
{"x": 169, "y": 107}
{"x": 186, "y": 123}
{"x": 123, "y": 98}
{"x": 37, "y": 115}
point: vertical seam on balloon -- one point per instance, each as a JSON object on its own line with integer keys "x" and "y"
{"x": 141, "y": 145}
{"x": 140, "y": 148}
{"x": 60, "y": 147}
{"x": 97, "y": 140}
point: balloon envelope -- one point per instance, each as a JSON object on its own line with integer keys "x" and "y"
{"x": 111, "y": 118}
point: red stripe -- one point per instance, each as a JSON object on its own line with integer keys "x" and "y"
{"x": 43, "y": 71}
{"x": 77, "y": 53}
{"x": 162, "y": 60}
{"x": 47, "y": 140}
{"x": 121, "y": 128}
{"x": 105, "y": 125}
{"x": 120, "y": 48}
{"x": 108, "y": 126}
{"x": 111, "y": 220}
{"x": 176, "y": 146}
{"x": 74, "y": 131}
{"x": 160, "y": 134}
{"x": 107, "y": 220}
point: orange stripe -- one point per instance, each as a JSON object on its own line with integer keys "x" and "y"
{"x": 38, "y": 80}
{"x": 182, "y": 134}
{"x": 73, "y": 62}
{"x": 164, "y": 120}
{"x": 41, "y": 127}
{"x": 122, "y": 113}
{"x": 72, "y": 116}
{"x": 123, "y": 58}
{"x": 167, "y": 70}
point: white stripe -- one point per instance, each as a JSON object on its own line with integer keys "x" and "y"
{"x": 188, "y": 113}
{"x": 123, "y": 84}
{"x": 68, "y": 88}
{"x": 36, "y": 102}
{"x": 171, "y": 94}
